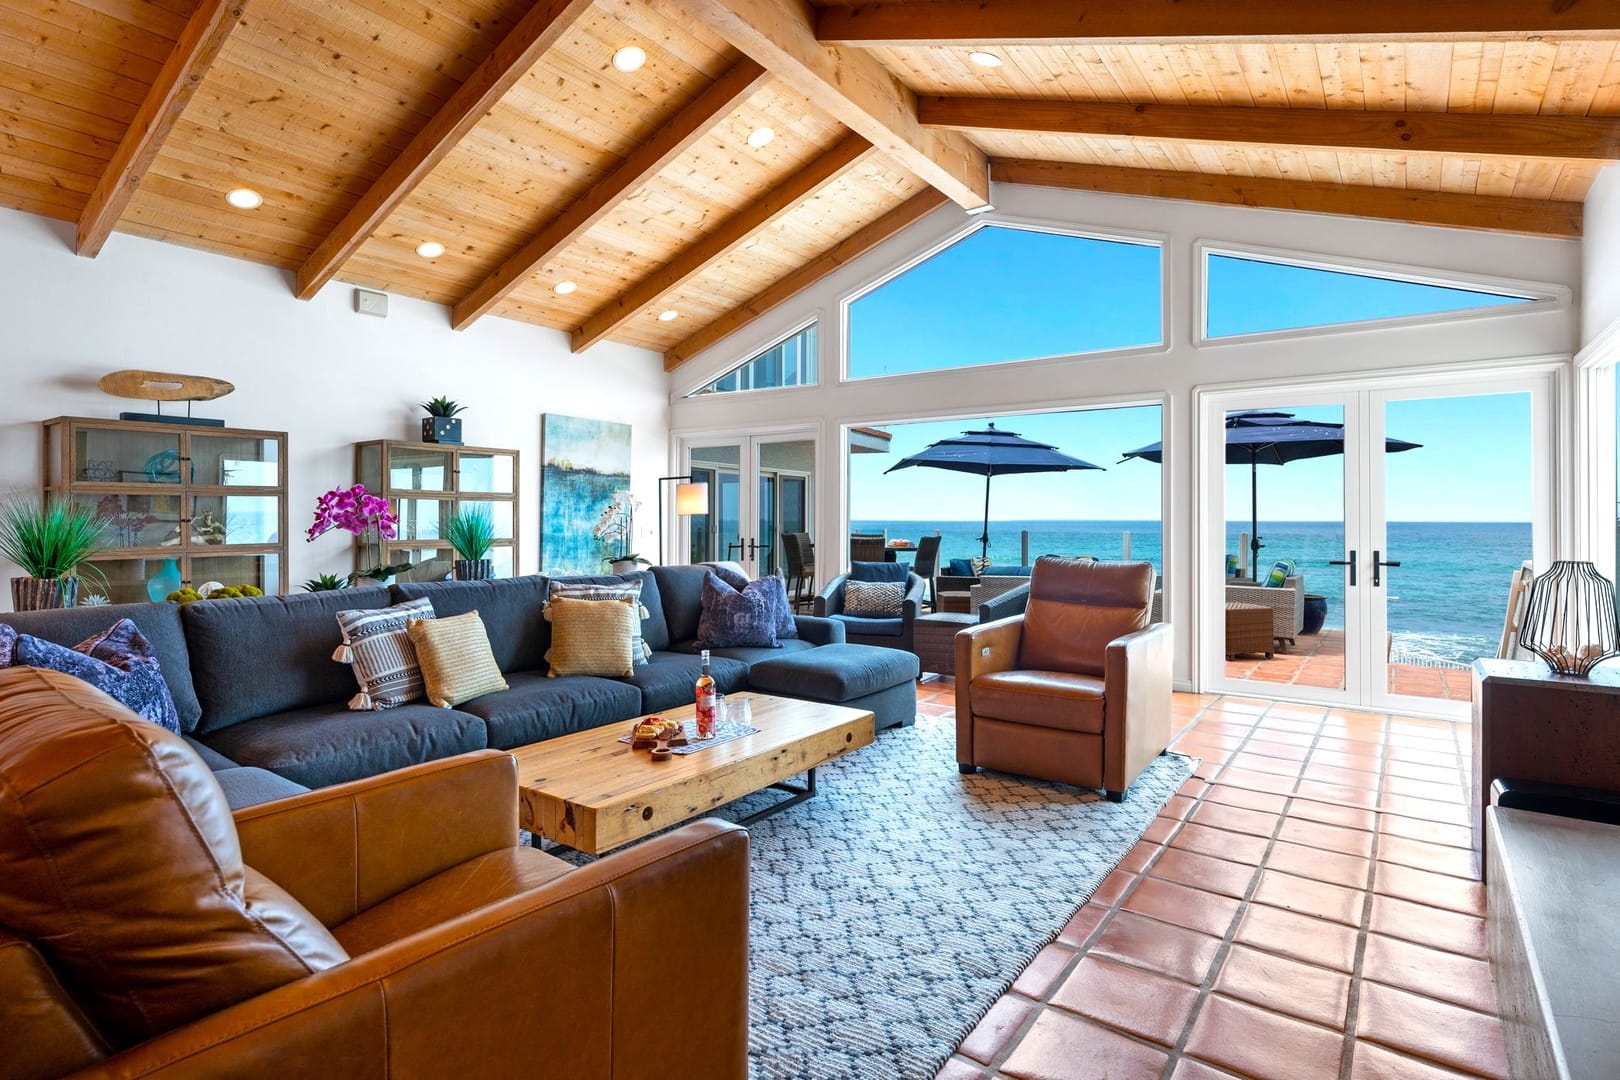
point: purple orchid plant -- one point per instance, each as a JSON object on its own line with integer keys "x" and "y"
{"x": 356, "y": 510}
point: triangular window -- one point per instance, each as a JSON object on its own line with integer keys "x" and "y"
{"x": 790, "y": 362}
{"x": 1246, "y": 295}
{"x": 1001, "y": 294}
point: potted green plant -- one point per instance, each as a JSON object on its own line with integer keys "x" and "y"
{"x": 472, "y": 533}
{"x": 52, "y": 541}
{"x": 614, "y": 528}
{"x": 326, "y": 583}
{"x": 440, "y": 425}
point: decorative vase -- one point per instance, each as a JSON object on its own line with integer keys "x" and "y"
{"x": 1315, "y": 613}
{"x": 164, "y": 582}
{"x": 442, "y": 429}
{"x": 623, "y": 566}
{"x": 42, "y": 594}
{"x": 474, "y": 569}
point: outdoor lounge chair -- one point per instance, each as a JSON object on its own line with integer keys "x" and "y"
{"x": 886, "y": 632}
{"x": 1287, "y": 604}
{"x": 867, "y": 547}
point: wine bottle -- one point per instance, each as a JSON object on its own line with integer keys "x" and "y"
{"x": 705, "y": 700}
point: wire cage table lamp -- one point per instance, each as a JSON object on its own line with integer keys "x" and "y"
{"x": 1570, "y": 620}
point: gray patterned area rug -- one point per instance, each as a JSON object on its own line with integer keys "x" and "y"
{"x": 890, "y": 911}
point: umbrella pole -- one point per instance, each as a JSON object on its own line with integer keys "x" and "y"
{"x": 1254, "y": 513}
{"x": 984, "y": 537}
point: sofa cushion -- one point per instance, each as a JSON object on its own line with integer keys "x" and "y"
{"x": 682, "y": 590}
{"x": 736, "y": 617}
{"x": 594, "y": 637}
{"x": 654, "y": 627}
{"x": 211, "y": 757}
{"x": 509, "y": 607}
{"x": 874, "y": 599}
{"x": 269, "y": 654}
{"x": 1041, "y": 698}
{"x": 671, "y": 679}
{"x": 127, "y": 869}
{"x": 159, "y": 622}
{"x": 752, "y": 656}
{"x": 834, "y": 673}
{"x": 244, "y": 786}
{"x": 864, "y": 627}
{"x": 628, "y": 588}
{"x": 457, "y": 663}
{"x": 536, "y": 707}
{"x": 327, "y": 744}
{"x": 118, "y": 661}
{"x": 879, "y": 571}
{"x": 775, "y": 589}
{"x": 379, "y": 651}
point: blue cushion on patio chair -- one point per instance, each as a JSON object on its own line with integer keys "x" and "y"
{"x": 878, "y": 571}
{"x": 960, "y": 568}
{"x": 1006, "y": 570}
{"x": 862, "y": 625}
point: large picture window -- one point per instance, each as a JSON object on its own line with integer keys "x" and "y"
{"x": 1248, "y": 295}
{"x": 1002, "y": 294}
{"x": 790, "y": 362}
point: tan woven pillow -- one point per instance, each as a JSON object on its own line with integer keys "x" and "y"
{"x": 593, "y": 637}
{"x": 457, "y": 664}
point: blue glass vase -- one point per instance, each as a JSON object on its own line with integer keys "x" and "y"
{"x": 165, "y": 581}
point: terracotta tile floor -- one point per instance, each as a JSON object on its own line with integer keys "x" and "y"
{"x": 1318, "y": 660}
{"x": 1306, "y": 907}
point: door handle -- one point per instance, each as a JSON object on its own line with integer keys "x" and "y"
{"x": 1379, "y": 564}
{"x": 1351, "y": 563}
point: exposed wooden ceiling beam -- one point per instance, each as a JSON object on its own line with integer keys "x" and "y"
{"x": 1567, "y": 137}
{"x": 1534, "y": 217}
{"x": 520, "y": 50}
{"x": 670, "y": 141}
{"x": 853, "y": 88}
{"x": 850, "y": 247}
{"x": 1061, "y": 22}
{"x": 725, "y": 237}
{"x": 199, "y": 43}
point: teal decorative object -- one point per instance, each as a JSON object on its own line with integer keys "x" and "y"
{"x": 164, "y": 582}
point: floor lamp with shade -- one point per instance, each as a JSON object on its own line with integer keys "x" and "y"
{"x": 690, "y": 498}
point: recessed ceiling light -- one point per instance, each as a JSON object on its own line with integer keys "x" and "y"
{"x": 430, "y": 249}
{"x": 760, "y": 136}
{"x": 985, "y": 59}
{"x": 563, "y": 288}
{"x": 667, "y": 314}
{"x": 630, "y": 58}
{"x": 244, "y": 198}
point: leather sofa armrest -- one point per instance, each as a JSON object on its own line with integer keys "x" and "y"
{"x": 830, "y": 600}
{"x": 819, "y": 631}
{"x": 981, "y": 649}
{"x": 566, "y": 980}
{"x": 1136, "y": 697}
{"x": 342, "y": 849}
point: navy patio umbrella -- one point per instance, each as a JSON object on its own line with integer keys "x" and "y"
{"x": 991, "y": 453}
{"x": 1273, "y": 438}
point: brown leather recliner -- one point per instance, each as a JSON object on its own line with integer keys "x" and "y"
{"x": 1077, "y": 688}
{"x": 390, "y": 927}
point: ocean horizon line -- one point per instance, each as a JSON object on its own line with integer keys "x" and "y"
{"x": 1269, "y": 522}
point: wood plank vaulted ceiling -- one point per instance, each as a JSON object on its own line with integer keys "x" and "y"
{"x": 501, "y": 129}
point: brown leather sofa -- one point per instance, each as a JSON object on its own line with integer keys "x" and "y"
{"x": 1077, "y": 688}
{"x": 389, "y": 927}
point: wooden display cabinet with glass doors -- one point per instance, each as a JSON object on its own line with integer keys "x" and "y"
{"x": 186, "y": 504}
{"x": 427, "y": 484}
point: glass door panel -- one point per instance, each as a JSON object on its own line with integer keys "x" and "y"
{"x": 235, "y": 461}
{"x": 235, "y": 519}
{"x": 490, "y": 473}
{"x": 105, "y": 455}
{"x": 138, "y": 520}
{"x": 786, "y": 477}
{"x": 716, "y": 535}
{"x": 263, "y": 571}
{"x": 419, "y": 470}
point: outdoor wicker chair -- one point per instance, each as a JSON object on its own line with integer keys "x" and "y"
{"x": 800, "y": 555}
{"x": 926, "y": 564}
{"x": 992, "y": 586}
{"x": 1287, "y": 604}
{"x": 868, "y": 547}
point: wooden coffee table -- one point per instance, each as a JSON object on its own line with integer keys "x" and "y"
{"x": 591, "y": 792}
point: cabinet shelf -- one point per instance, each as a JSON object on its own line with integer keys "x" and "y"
{"x": 428, "y": 483}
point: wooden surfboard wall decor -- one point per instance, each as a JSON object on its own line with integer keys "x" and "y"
{"x": 161, "y": 386}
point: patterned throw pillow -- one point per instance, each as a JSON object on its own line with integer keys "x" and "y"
{"x": 873, "y": 599}
{"x": 786, "y": 628}
{"x": 592, "y": 637}
{"x": 736, "y": 618}
{"x": 579, "y": 590}
{"x": 1280, "y": 573}
{"x": 978, "y": 565}
{"x": 119, "y": 661}
{"x": 376, "y": 645}
{"x": 457, "y": 664}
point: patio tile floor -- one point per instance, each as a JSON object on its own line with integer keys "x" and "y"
{"x": 1255, "y": 932}
{"x": 1318, "y": 660}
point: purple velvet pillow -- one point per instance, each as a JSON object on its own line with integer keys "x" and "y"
{"x": 781, "y": 607}
{"x": 736, "y": 618}
{"x": 119, "y": 661}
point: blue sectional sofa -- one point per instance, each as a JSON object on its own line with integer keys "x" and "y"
{"x": 260, "y": 697}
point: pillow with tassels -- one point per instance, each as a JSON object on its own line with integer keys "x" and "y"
{"x": 379, "y": 650}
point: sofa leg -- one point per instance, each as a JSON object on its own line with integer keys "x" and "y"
{"x": 966, "y": 769}
{"x": 1115, "y": 796}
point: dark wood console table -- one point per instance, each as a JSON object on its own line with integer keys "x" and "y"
{"x": 1530, "y": 724}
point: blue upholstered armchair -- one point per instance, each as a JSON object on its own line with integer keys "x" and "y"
{"x": 892, "y": 632}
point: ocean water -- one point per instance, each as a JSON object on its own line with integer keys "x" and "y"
{"x": 1446, "y": 599}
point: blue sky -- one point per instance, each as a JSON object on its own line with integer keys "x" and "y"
{"x": 1006, "y": 294}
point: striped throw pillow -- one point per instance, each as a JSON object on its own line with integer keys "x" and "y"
{"x": 580, "y": 590}
{"x": 873, "y": 599}
{"x": 457, "y": 663}
{"x": 379, "y": 650}
{"x": 593, "y": 637}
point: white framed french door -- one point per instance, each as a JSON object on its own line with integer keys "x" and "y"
{"x": 1402, "y": 539}
{"x": 761, "y": 487}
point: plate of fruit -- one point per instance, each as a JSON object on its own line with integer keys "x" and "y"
{"x": 651, "y": 731}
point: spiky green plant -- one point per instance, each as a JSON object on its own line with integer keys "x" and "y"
{"x": 442, "y": 406}
{"x": 325, "y": 583}
{"x": 53, "y": 538}
{"x": 471, "y": 532}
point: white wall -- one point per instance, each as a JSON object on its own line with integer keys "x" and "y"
{"x": 1600, "y": 255}
{"x": 327, "y": 376}
{"x": 1172, "y": 374}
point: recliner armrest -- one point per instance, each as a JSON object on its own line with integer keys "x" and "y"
{"x": 1136, "y": 696}
{"x": 342, "y": 849}
{"x": 819, "y": 631}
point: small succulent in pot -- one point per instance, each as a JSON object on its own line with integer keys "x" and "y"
{"x": 472, "y": 533}
{"x": 441, "y": 425}
{"x": 326, "y": 583}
